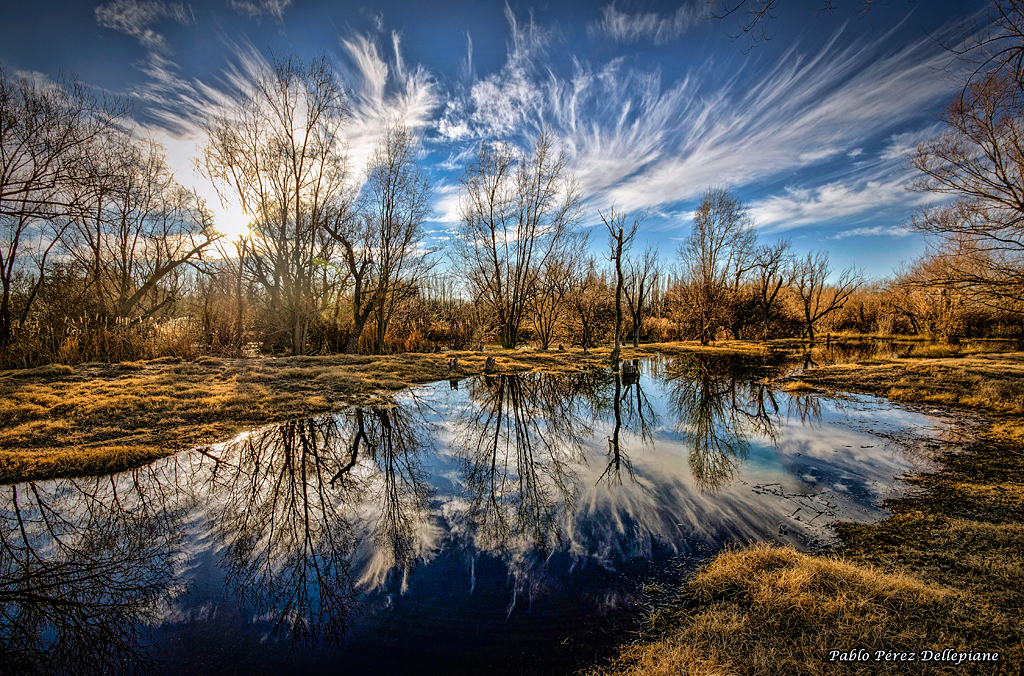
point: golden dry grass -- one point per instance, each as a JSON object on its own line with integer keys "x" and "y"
{"x": 770, "y": 610}
{"x": 989, "y": 381}
{"x": 797, "y": 386}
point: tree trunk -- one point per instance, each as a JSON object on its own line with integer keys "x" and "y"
{"x": 508, "y": 337}
{"x": 378, "y": 348}
{"x": 359, "y": 321}
{"x": 5, "y": 316}
{"x": 618, "y": 300}
{"x": 300, "y": 327}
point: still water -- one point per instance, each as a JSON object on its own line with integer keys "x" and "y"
{"x": 507, "y": 524}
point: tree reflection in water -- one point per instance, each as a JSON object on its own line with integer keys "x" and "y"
{"x": 518, "y": 445}
{"x": 300, "y": 501}
{"x": 718, "y": 407}
{"x": 84, "y": 566}
{"x": 397, "y": 442}
{"x": 632, "y": 410}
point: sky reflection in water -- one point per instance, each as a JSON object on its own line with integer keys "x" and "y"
{"x": 517, "y": 524}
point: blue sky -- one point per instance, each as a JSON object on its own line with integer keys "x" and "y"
{"x": 651, "y": 102}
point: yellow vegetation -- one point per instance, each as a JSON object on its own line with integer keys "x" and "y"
{"x": 769, "y": 610}
{"x": 990, "y": 381}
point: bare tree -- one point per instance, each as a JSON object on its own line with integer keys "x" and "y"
{"x": 978, "y": 159}
{"x": 716, "y": 255}
{"x": 641, "y": 277}
{"x": 232, "y": 253}
{"x": 589, "y": 300}
{"x": 773, "y": 270}
{"x": 931, "y": 306}
{"x": 818, "y": 297}
{"x": 135, "y": 229}
{"x": 753, "y": 17}
{"x": 619, "y": 241}
{"x": 44, "y": 130}
{"x": 380, "y": 239}
{"x": 280, "y": 150}
{"x": 995, "y": 46}
{"x": 548, "y": 304}
{"x": 353, "y": 231}
{"x": 518, "y": 211}
{"x": 396, "y": 201}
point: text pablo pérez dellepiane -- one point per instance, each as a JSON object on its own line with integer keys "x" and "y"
{"x": 948, "y": 656}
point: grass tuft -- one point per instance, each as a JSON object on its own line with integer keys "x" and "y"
{"x": 47, "y": 371}
{"x": 772, "y": 610}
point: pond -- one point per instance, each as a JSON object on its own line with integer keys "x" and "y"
{"x": 508, "y": 523}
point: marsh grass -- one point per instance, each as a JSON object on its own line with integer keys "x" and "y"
{"x": 994, "y": 382}
{"x": 44, "y": 372}
{"x": 772, "y": 610}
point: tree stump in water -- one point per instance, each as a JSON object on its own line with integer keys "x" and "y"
{"x": 489, "y": 366}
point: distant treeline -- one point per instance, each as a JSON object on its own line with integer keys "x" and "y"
{"x": 104, "y": 257}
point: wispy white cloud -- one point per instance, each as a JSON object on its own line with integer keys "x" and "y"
{"x": 643, "y": 144}
{"x": 457, "y": 161}
{"x": 900, "y": 145}
{"x": 802, "y": 112}
{"x": 136, "y": 19}
{"x": 257, "y": 10}
{"x": 502, "y": 103}
{"x": 625, "y": 28}
{"x": 446, "y": 202}
{"x": 798, "y": 207}
{"x": 466, "y": 71}
{"x": 867, "y": 194}
{"x": 385, "y": 91}
{"x": 36, "y": 77}
{"x": 874, "y": 231}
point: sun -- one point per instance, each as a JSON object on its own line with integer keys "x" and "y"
{"x": 231, "y": 221}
